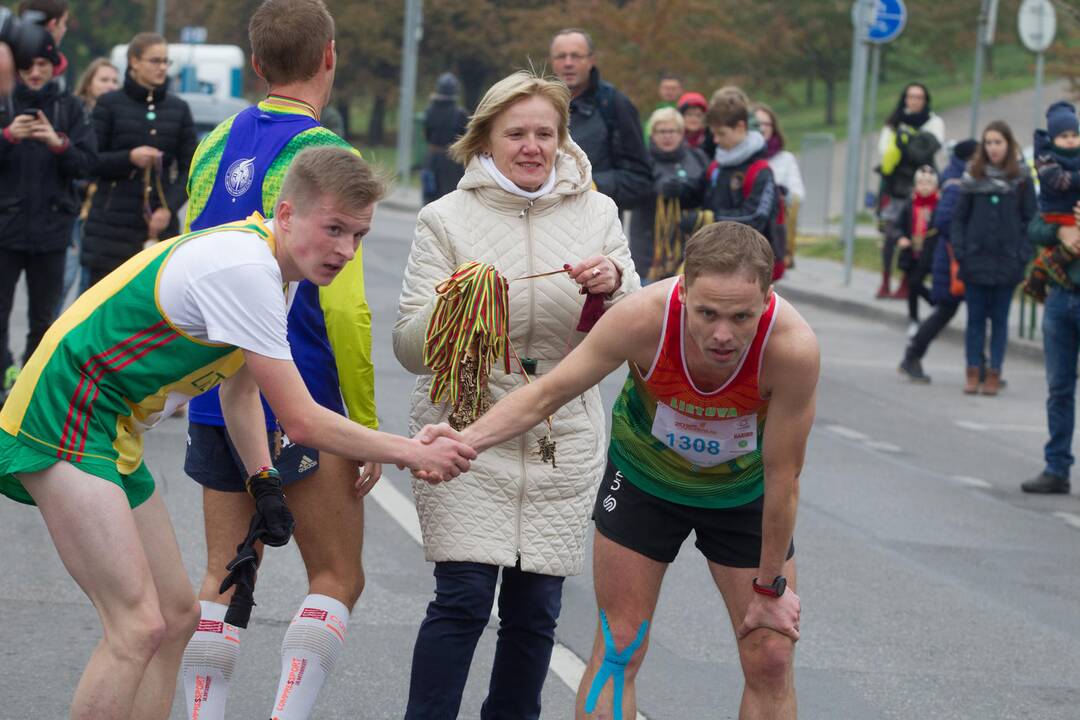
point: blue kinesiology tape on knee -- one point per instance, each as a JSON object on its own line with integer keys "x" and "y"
{"x": 614, "y": 667}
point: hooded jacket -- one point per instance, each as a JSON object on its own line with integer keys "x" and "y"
{"x": 510, "y": 505}
{"x": 38, "y": 200}
{"x": 989, "y": 228}
{"x": 724, "y": 186}
{"x": 116, "y": 227}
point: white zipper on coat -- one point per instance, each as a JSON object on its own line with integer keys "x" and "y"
{"x": 524, "y": 215}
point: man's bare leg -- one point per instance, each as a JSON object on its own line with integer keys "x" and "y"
{"x": 627, "y": 587}
{"x": 97, "y": 538}
{"x": 767, "y": 656}
{"x": 330, "y": 529}
{"x": 176, "y": 600}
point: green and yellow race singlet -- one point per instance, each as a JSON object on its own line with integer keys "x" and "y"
{"x": 684, "y": 445}
{"x": 109, "y": 368}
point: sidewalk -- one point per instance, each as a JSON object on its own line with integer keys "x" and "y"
{"x": 821, "y": 283}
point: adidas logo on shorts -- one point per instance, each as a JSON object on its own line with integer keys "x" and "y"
{"x": 306, "y": 464}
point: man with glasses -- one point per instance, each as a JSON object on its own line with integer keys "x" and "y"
{"x": 603, "y": 122}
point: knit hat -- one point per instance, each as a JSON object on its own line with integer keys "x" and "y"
{"x": 964, "y": 149}
{"x": 47, "y": 49}
{"x": 447, "y": 86}
{"x": 1060, "y": 117}
{"x": 691, "y": 99}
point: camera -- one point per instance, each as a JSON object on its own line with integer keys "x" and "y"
{"x": 25, "y": 36}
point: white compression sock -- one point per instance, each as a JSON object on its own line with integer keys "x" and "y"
{"x": 209, "y": 660}
{"x": 308, "y": 653}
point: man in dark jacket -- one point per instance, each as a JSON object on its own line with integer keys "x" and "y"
{"x": 47, "y": 143}
{"x": 945, "y": 303}
{"x": 603, "y": 122}
{"x": 1061, "y": 345}
{"x": 444, "y": 122}
{"x": 145, "y": 140}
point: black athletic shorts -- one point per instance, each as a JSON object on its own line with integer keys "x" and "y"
{"x": 212, "y": 461}
{"x": 656, "y": 528}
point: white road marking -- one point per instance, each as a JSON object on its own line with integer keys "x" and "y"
{"x": 1003, "y": 427}
{"x": 883, "y": 446}
{"x": 847, "y": 432}
{"x": 1070, "y": 518}
{"x": 971, "y": 481}
{"x": 566, "y": 665}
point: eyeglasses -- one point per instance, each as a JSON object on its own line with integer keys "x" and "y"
{"x": 158, "y": 61}
{"x": 576, "y": 57}
{"x": 666, "y": 131}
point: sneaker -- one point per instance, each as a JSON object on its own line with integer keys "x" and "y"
{"x": 912, "y": 369}
{"x": 1046, "y": 484}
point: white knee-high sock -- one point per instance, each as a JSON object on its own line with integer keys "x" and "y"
{"x": 209, "y": 660}
{"x": 311, "y": 646}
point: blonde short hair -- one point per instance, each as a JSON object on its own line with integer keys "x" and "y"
{"x": 508, "y": 91}
{"x": 333, "y": 171}
{"x": 667, "y": 115}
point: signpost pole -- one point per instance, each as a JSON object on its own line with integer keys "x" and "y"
{"x": 864, "y": 10}
{"x": 871, "y": 114}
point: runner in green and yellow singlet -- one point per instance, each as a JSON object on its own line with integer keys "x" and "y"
{"x": 708, "y": 435}
{"x": 172, "y": 322}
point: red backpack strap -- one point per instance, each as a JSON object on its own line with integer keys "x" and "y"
{"x": 748, "y": 185}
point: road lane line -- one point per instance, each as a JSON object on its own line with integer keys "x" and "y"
{"x": 847, "y": 432}
{"x": 971, "y": 481}
{"x": 566, "y": 665}
{"x": 1070, "y": 518}
{"x": 1004, "y": 427}
{"x": 883, "y": 446}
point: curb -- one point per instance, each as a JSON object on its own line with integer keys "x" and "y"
{"x": 1024, "y": 348}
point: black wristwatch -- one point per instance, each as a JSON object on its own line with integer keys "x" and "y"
{"x": 775, "y": 589}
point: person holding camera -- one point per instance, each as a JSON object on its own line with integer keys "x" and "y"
{"x": 47, "y": 144}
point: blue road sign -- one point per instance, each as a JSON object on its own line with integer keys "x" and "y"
{"x": 890, "y": 17}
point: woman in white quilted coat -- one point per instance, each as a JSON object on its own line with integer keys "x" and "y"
{"x": 525, "y": 205}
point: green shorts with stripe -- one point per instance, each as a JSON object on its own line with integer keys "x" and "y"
{"x": 17, "y": 457}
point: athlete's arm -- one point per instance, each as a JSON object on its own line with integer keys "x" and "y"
{"x": 604, "y": 349}
{"x": 308, "y": 423}
{"x": 243, "y": 412}
{"x": 791, "y": 369}
{"x": 791, "y": 415}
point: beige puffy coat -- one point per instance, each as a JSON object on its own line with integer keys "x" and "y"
{"x": 510, "y": 505}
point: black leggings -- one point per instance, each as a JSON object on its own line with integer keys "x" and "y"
{"x": 916, "y": 289}
{"x": 44, "y": 280}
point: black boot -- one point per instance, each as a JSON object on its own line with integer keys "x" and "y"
{"x": 911, "y": 367}
{"x": 1046, "y": 484}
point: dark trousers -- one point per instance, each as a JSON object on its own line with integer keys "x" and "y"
{"x": 916, "y": 289}
{"x": 1061, "y": 342}
{"x": 933, "y": 325}
{"x": 44, "y": 280}
{"x": 529, "y": 606}
{"x": 987, "y": 302}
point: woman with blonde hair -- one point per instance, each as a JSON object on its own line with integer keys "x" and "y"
{"x": 525, "y": 206}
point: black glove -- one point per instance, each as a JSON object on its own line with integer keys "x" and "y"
{"x": 242, "y": 572}
{"x": 276, "y": 520}
{"x": 673, "y": 187}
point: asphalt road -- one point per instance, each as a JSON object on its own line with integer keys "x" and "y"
{"x": 931, "y": 587}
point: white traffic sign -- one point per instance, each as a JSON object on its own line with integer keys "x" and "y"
{"x": 1037, "y": 23}
{"x": 888, "y": 21}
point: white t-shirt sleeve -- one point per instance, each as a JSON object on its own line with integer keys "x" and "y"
{"x": 244, "y": 306}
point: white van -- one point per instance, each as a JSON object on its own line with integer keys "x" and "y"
{"x": 216, "y": 70}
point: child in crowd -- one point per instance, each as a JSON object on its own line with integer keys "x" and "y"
{"x": 916, "y": 241}
{"x": 1057, "y": 160}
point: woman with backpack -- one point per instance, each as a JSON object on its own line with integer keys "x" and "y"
{"x": 910, "y": 139}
